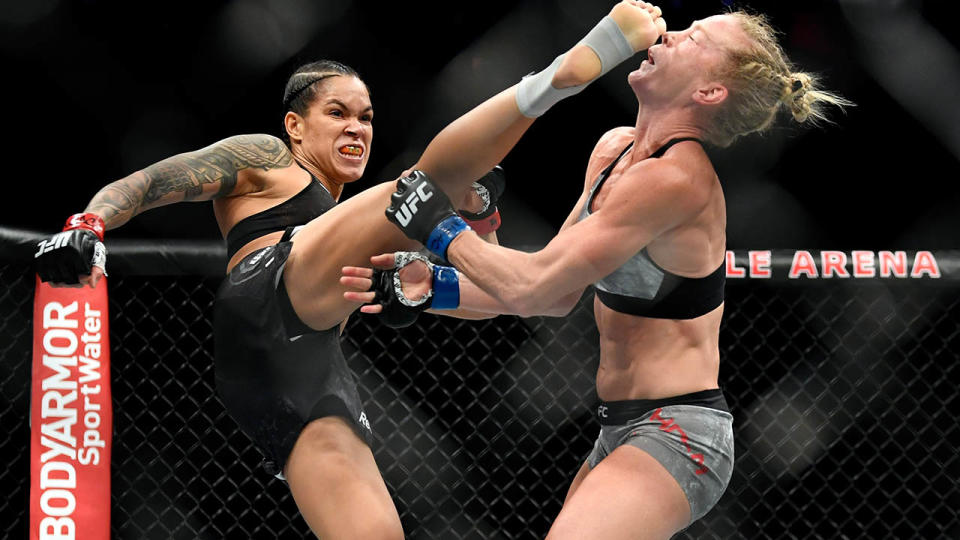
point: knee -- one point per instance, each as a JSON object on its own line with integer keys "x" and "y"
{"x": 330, "y": 435}
{"x": 328, "y": 442}
{"x": 335, "y": 482}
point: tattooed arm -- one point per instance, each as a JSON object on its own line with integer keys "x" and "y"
{"x": 203, "y": 175}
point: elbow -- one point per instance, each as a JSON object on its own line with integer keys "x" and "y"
{"x": 514, "y": 302}
{"x": 532, "y": 308}
{"x": 525, "y": 309}
{"x": 562, "y": 310}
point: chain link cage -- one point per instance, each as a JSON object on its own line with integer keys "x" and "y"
{"x": 844, "y": 395}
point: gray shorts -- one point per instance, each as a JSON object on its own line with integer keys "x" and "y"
{"x": 693, "y": 442}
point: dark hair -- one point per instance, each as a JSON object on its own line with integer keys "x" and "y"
{"x": 306, "y": 82}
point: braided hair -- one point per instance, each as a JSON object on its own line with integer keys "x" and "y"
{"x": 762, "y": 81}
{"x": 306, "y": 83}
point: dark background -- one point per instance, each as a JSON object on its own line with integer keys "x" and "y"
{"x": 95, "y": 90}
{"x": 844, "y": 392}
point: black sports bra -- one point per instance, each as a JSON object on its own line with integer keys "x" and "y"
{"x": 311, "y": 202}
{"x": 641, "y": 287}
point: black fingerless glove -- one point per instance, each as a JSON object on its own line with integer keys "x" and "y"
{"x": 398, "y": 311}
{"x": 394, "y": 313}
{"x": 423, "y": 212}
{"x": 67, "y": 255}
{"x": 490, "y": 187}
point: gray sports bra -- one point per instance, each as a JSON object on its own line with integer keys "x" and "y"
{"x": 641, "y": 287}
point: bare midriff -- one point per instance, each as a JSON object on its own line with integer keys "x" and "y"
{"x": 646, "y": 358}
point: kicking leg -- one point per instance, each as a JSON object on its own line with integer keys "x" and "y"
{"x": 471, "y": 145}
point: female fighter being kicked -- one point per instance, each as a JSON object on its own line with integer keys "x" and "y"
{"x": 279, "y": 369}
{"x": 649, "y": 233}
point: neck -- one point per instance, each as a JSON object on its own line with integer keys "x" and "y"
{"x": 334, "y": 188}
{"x": 655, "y": 127}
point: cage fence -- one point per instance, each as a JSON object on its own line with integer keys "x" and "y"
{"x": 844, "y": 394}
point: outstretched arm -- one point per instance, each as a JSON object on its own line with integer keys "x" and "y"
{"x": 474, "y": 302}
{"x": 650, "y": 199}
{"x": 473, "y": 299}
{"x": 223, "y": 169}
{"x": 201, "y": 175}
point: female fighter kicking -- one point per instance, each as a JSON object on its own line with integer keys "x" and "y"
{"x": 279, "y": 368}
{"x": 649, "y": 233}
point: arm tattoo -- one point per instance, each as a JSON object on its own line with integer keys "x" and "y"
{"x": 187, "y": 174}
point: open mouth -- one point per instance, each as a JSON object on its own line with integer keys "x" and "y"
{"x": 351, "y": 151}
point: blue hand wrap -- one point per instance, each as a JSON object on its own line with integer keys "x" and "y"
{"x": 444, "y": 233}
{"x": 446, "y": 288}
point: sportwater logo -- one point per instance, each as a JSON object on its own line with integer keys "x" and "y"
{"x": 71, "y": 415}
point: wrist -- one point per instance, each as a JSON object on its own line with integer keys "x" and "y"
{"x": 446, "y": 288}
{"x": 444, "y": 233}
{"x": 486, "y": 224}
{"x": 87, "y": 220}
{"x": 458, "y": 247}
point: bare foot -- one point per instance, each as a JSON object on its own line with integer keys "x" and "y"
{"x": 640, "y": 22}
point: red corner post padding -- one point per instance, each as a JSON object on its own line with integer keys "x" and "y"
{"x": 71, "y": 416}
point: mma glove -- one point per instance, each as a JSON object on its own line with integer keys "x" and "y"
{"x": 398, "y": 310}
{"x": 489, "y": 188}
{"x": 423, "y": 212}
{"x": 67, "y": 255}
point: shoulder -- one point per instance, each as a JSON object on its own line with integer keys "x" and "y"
{"x": 254, "y": 139}
{"x": 255, "y": 162}
{"x": 606, "y": 150}
{"x": 256, "y": 150}
{"x": 621, "y": 133}
{"x": 673, "y": 184}
{"x": 613, "y": 142}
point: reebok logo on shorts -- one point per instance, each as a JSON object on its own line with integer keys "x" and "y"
{"x": 364, "y": 422}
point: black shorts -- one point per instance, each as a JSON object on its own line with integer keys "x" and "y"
{"x": 273, "y": 373}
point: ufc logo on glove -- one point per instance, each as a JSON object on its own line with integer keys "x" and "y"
{"x": 58, "y": 241}
{"x": 409, "y": 207}
{"x": 424, "y": 213}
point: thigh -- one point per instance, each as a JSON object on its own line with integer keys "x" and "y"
{"x": 347, "y": 235}
{"x": 337, "y": 485}
{"x": 628, "y": 495}
{"x": 577, "y": 480}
